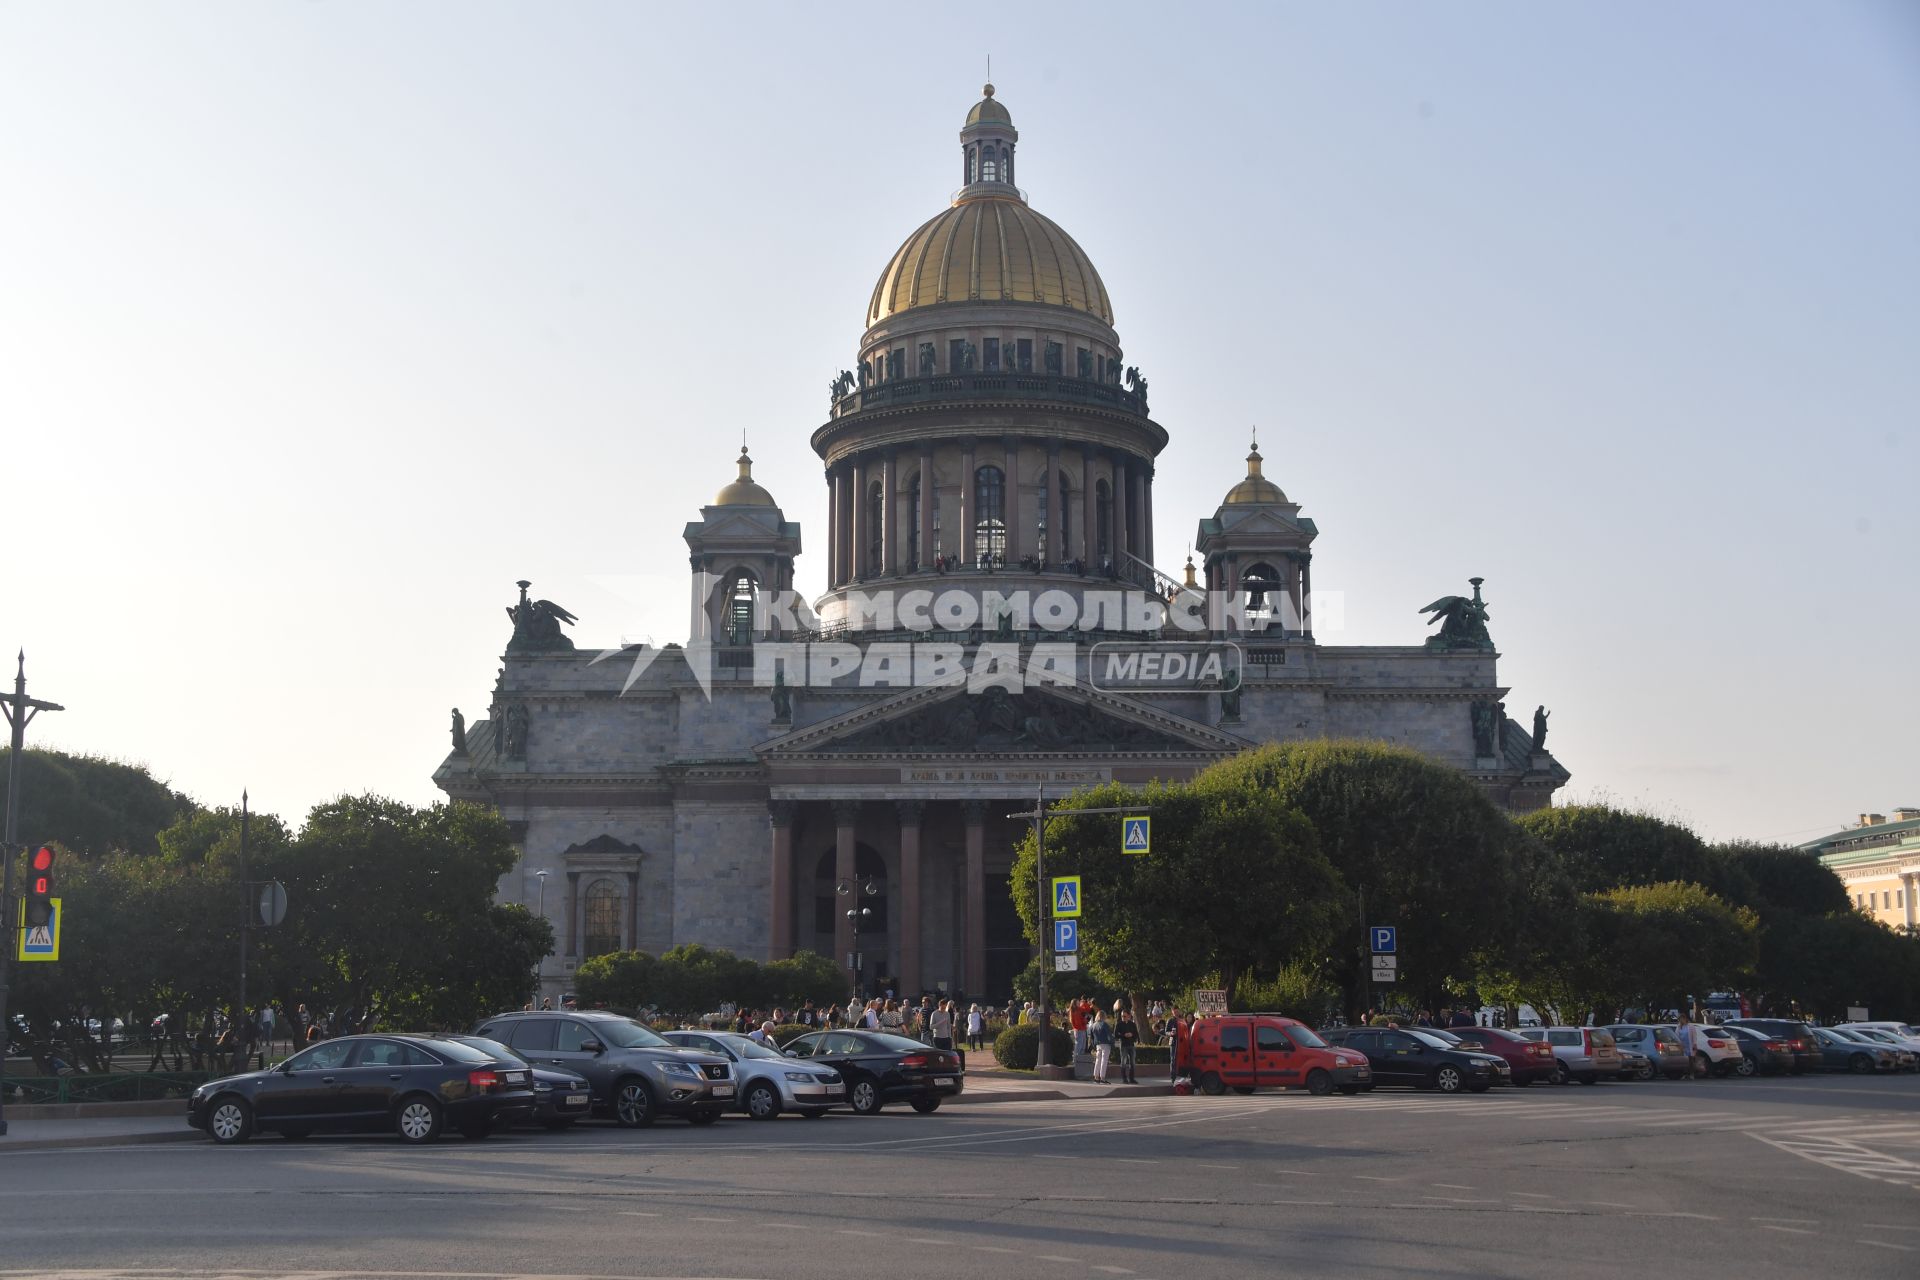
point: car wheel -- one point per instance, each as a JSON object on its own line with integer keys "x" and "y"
{"x": 926, "y": 1106}
{"x": 230, "y": 1120}
{"x": 1860, "y": 1064}
{"x": 864, "y": 1095}
{"x": 1745, "y": 1067}
{"x": 632, "y": 1104}
{"x": 1447, "y": 1078}
{"x": 1702, "y": 1065}
{"x": 1319, "y": 1083}
{"x": 1211, "y": 1084}
{"x": 1646, "y": 1071}
{"x": 762, "y": 1101}
{"x": 705, "y": 1115}
{"x": 417, "y": 1119}
{"x": 1560, "y": 1074}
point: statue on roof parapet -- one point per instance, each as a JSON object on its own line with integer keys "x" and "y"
{"x": 536, "y": 625}
{"x": 1463, "y": 622}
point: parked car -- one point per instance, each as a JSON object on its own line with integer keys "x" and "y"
{"x": 1760, "y": 1054}
{"x": 1248, "y": 1051}
{"x": 1714, "y": 1050}
{"x": 1659, "y": 1046}
{"x": 636, "y": 1076}
{"x": 1413, "y": 1056}
{"x": 1905, "y": 1030}
{"x": 1909, "y": 1050}
{"x": 1797, "y": 1036}
{"x": 561, "y": 1099}
{"x": 1844, "y": 1053}
{"x": 416, "y": 1086}
{"x": 1635, "y": 1065}
{"x": 1580, "y": 1053}
{"x": 1529, "y": 1060}
{"x": 768, "y": 1081}
{"x": 879, "y": 1068}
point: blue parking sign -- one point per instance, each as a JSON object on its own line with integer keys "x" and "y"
{"x": 1066, "y": 936}
{"x": 1386, "y": 939}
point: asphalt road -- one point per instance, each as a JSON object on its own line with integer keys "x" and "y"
{"x": 1756, "y": 1177}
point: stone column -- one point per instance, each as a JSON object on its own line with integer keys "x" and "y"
{"x": 890, "y": 518}
{"x": 910, "y": 812}
{"x": 857, "y": 557}
{"x": 833, "y": 528}
{"x": 846, "y": 813}
{"x": 1121, "y": 510}
{"x": 929, "y": 496}
{"x": 1146, "y": 512}
{"x": 1059, "y": 516}
{"x": 780, "y": 895}
{"x": 1019, "y": 535}
{"x": 573, "y": 914}
{"x": 1089, "y": 508}
{"x": 1306, "y": 593}
{"x": 1137, "y": 506}
{"x": 963, "y": 536}
{"x": 975, "y": 953}
{"x": 1910, "y": 883}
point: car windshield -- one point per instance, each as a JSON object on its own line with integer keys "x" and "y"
{"x": 1427, "y": 1038}
{"x": 624, "y": 1033}
{"x": 750, "y": 1048}
{"x": 1304, "y": 1037}
{"x": 491, "y": 1047}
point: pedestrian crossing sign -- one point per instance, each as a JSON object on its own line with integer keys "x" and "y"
{"x": 1136, "y": 834}
{"x": 42, "y": 941}
{"x": 1066, "y": 897}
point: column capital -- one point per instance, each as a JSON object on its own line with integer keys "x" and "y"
{"x": 910, "y": 811}
{"x": 781, "y": 812}
{"x": 846, "y": 811}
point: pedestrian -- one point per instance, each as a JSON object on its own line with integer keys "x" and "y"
{"x": 546, "y": 1002}
{"x": 1684, "y": 1030}
{"x": 1126, "y": 1035}
{"x": 940, "y": 1025}
{"x": 1077, "y": 1020}
{"x": 806, "y": 1016}
{"x": 892, "y": 1019}
{"x": 763, "y": 1034}
{"x": 976, "y": 1027}
{"x": 1099, "y": 1034}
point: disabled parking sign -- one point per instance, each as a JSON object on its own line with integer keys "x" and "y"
{"x": 1136, "y": 834}
{"x": 1066, "y": 897}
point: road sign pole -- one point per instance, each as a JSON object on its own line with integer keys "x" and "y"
{"x": 240, "y": 1018}
{"x": 20, "y": 709}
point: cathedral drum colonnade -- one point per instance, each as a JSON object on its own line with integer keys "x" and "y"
{"x": 990, "y": 439}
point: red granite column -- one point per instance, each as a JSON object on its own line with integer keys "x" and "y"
{"x": 780, "y": 904}
{"x": 846, "y": 813}
{"x": 910, "y": 812}
{"x": 974, "y": 958}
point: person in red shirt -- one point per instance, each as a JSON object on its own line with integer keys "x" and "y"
{"x": 1077, "y": 1019}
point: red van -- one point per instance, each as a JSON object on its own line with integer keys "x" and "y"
{"x": 1248, "y": 1051}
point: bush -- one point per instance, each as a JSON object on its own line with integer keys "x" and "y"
{"x": 788, "y": 1030}
{"x": 1018, "y": 1048}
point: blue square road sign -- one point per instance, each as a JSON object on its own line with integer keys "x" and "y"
{"x": 1066, "y": 936}
{"x": 1386, "y": 939}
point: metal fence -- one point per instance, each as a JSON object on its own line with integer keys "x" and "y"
{"x": 115, "y": 1086}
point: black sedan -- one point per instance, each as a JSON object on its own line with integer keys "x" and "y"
{"x": 1760, "y": 1054}
{"x": 1414, "y": 1056}
{"x": 416, "y": 1086}
{"x": 560, "y": 1098}
{"x": 879, "y": 1068}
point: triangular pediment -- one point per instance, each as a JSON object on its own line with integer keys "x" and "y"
{"x": 601, "y": 844}
{"x": 1047, "y": 719}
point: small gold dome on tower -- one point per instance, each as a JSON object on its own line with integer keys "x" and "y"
{"x": 1256, "y": 488}
{"x": 744, "y": 492}
{"x": 987, "y": 109}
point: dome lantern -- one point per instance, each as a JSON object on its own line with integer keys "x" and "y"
{"x": 1256, "y": 488}
{"x": 986, "y": 150}
{"x": 744, "y": 491}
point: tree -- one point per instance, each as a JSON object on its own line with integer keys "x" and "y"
{"x": 805, "y": 976}
{"x": 1654, "y": 946}
{"x": 1783, "y": 879}
{"x": 1417, "y": 844}
{"x": 1602, "y": 847}
{"x": 616, "y": 980}
{"x": 90, "y": 805}
{"x": 1235, "y": 883}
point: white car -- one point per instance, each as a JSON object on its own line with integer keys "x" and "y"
{"x": 1883, "y": 1033}
{"x": 1714, "y": 1048}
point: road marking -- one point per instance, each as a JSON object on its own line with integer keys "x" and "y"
{"x": 1054, "y": 1257}
{"x": 1538, "y": 1208}
{"x": 1798, "y": 1231}
{"x": 993, "y": 1248}
{"x": 1452, "y": 1186}
{"x": 1888, "y": 1244}
{"x": 1799, "y": 1222}
{"x": 859, "y": 1233}
{"x": 1216, "y": 1166}
{"x": 1610, "y": 1204}
{"x": 635, "y": 1213}
{"x": 1672, "y": 1213}
{"x": 1368, "y": 1177}
{"x": 1531, "y": 1195}
{"x": 1113, "y": 1271}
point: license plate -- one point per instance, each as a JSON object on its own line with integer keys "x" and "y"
{"x": 723, "y": 1091}
{"x": 516, "y": 1077}
{"x": 943, "y": 1079}
{"x": 576, "y": 1100}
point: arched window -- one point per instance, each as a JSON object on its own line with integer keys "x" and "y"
{"x": 973, "y": 164}
{"x": 990, "y": 168}
{"x": 738, "y": 622}
{"x": 989, "y": 514}
{"x": 1006, "y": 165}
{"x": 604, "y": 901}
{"x": 913, "y": 525}
{"x": 1262, "y": 583}
{"x": 1040, "y": 520}
{"x": 1103, "y": 520}
{"x": 876, "y": 528}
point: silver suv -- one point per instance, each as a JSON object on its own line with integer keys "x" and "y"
{"x": 1579, "y": 1053}
{"x": 636, "y": 1075}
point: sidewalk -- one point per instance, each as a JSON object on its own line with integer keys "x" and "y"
{"x": 997, "y": 1084}
{"x": 33, "y": 1134}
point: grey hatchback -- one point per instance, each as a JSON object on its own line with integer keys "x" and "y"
{"x": 636, "y": 1075}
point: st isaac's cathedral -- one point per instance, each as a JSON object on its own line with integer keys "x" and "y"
{"x": 993, "y": 625}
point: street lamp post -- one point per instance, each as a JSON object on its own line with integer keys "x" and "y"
{"x": 541, "y": 911}
{"x": 858, "y": 913}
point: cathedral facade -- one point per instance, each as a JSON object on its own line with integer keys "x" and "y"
{"x": 840, "y": 775}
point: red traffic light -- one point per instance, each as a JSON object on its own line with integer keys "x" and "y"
{"x": 40, "y": 886}
{"x": 43, "y": 859}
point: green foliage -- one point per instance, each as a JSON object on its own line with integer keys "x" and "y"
{"x": 1062, "y": 987}
{"x": 804, "y": 976}
{"x": 1235, "y": 883}
{"x": 1296, "y": 991}
{"x": 1822, "y": 965}
{"x": 616, "y": 980}
{"x": 1018, "y": 1048}
{"x": 692, "y": 980}
{"x": 1602, "y": 848}
{"x": 788, "y": 1030}
{"x": 1655, "y": 945}
{"x": 1782, "y": 879}
{"x": 1419, "y": 842}
{"x": 92, "y": 806}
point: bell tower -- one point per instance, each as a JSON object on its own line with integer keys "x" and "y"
{"x": 1258, "y": 549}
{"x": 741, "y": 544}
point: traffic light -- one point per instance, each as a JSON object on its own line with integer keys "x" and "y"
{"x": 40, "y": 886}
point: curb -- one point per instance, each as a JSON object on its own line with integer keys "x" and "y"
{"x": 1059, "y": 1095}
{"x": 98, "y": 1140}
{"x": 91, "y": 1110}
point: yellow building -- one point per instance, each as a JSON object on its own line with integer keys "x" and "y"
{"x": 1878, "y": 858}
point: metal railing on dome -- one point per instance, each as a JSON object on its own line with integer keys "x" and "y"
{"x": 989, "y": 386}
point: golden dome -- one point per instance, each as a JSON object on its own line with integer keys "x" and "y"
{"x": 1256, "y": 488}
{"x": 743, "y": 492}
{"x": 990, "y": 248}
{"x": 988, "y": 111}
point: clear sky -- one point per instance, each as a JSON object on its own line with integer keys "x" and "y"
{"x": 321, "y": 323}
